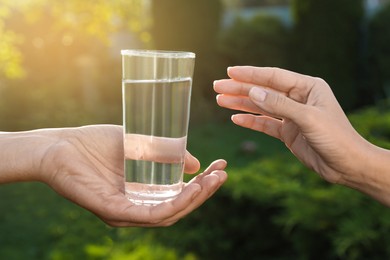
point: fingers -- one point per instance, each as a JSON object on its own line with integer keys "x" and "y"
{"x": 263, "y": 101}
{"x": 235, "y": 95}
{"x": 209, "y": 181}
{"x": 214, "y": 166}
{"x": 191, "y": 164}
{"x": 232, "y": 87}
{"x": 268, "y": 125}
{"x": 258, "y": 100}
{"x": 275, "y": 78}
{"x": 159, "y": 149}
{"x": 277, "y": 104}
{"x": 154, "y": 148}
{"x": 275, "y": 93}
{"x": 121, "y": 212}
{"x": 238, "y": 103}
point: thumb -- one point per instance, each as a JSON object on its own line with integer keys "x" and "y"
{"x": 191, "y": 165}
{"x": 276, "y": 104}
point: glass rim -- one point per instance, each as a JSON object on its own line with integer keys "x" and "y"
{"x": 157, "y": 53}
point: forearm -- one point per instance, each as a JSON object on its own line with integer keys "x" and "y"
{"x": 373, "y": 177}
{"x": 21, "y": 154}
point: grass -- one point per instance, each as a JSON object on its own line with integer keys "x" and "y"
{"x": 36, "y": 222}
{"x": 224, "y": 141}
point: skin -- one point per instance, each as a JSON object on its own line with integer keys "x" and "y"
{"x": 85, "y": 165}
{"x": 303, "y": 113}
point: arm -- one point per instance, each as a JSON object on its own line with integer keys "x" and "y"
{"x": 85, "y": 165}
{"x": 302, "y": 112}
{"x": 20, "y": 154}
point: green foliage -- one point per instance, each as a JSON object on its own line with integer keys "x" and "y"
{"x": 316, "y": 218}
{"x": 379, "y": 52}
{"x": 225, "y": 140}
{"x": 374, "y": 124}
{"x": 192, "y": 26}
{"x": 63, "y": 67}
{"x": 10, "y": 56}
{"x": 62, "y": 54}
{"x": 38, "y": 224}
{"x": 326, "y": 43}
{"x": 260, "y": 41}
{"x": 186, "y": 25}
{"x": 64, "y": 23}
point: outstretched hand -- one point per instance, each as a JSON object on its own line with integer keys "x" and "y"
{"x": 86, "y": 167}
{"x": 299, "y": 110}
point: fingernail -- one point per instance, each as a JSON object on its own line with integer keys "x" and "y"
{"x": 257, "y": 94}
{"x": 236, "y": 119}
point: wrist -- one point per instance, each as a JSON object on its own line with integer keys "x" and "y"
{"x": 371, "y": 175}
{"x": 22, "y": 154}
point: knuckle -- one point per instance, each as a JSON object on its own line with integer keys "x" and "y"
{"x": 279, "y": 100}
{"x": 319, "y": 80}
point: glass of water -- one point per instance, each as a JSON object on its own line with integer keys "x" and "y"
{"x": 156, "y": 92}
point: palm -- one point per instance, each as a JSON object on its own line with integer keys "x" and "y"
{"x": 89, "y": 171}
{"x": 89, "y": 165}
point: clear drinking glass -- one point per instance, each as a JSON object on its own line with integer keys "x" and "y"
{"x": 156, "y": 91}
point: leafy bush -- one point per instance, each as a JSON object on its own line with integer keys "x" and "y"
{"x": 260, "y": 41}
{"x": 326, "y": 43}
{"x": 379, "y": 52}
{"x": 192, "y": 26}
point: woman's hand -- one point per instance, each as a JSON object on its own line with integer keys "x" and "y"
{"x": 303, "y": 113}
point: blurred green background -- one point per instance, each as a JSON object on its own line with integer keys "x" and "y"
{"x": 60, "y": 66}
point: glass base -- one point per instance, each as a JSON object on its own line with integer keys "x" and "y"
{"x": 145, "y": 194}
